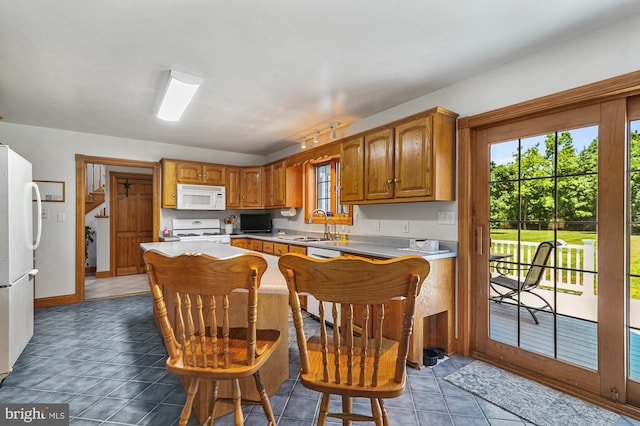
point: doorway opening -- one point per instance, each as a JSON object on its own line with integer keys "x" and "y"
{"x": 110, "y": 283}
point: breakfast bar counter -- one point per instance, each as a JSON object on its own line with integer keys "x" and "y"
{"x": 273, "y": 313}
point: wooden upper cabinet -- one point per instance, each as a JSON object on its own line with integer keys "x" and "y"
{"x": 413, "y": 165}
{"x": 411, "y": 160}
{"x": 233, "y": 187}
{"x": 201, "y": 173}
{"x": 214, "y": 174}
{"x": 378, "y": 165}
{"x": 282, "y": 185}
{"x": 269, "y": 195}
{"x": 169, "y": 189}
{"x": 251, "y": 187}
{"x": 352, "y": 170}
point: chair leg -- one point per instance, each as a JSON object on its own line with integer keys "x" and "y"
{"x": 385, "y": 416}
{"x": 376, "y": 411}
{"x": 264, "y": 399}
{"x": 238, "y": 417}
{"x": 214, "y": 399}
{"x": 191, "y": 394}
{"x": 347, "y": 407}
{"x": 324, "y": 409}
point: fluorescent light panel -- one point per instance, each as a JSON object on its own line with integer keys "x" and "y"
{"x": 179, "y": 92}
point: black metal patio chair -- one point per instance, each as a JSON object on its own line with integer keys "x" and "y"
{"x": 510, "y": 288}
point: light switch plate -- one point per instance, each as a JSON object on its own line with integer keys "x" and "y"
{"x": 61, "y": 217}
{"x": 405, "y": 226}
{"x": 376, "y": 225}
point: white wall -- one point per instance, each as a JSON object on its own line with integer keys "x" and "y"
{"x": 605, "y": 53}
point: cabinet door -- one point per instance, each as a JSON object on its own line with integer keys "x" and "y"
{"x": 413, "y": 168}
{"x": 213, "y": 174}
{"x": 251, "y": 186}
{"x": 379, "y": 165}
{"x": 279, "y": 184}
{"x": 269, "y": 186}
{"x": 169, "y": 171}
{"x": 352, "y": 170}
{"x": 233, "y": 187}
{"x": 279, "y": 249}
{"x": 255, "y": 245}
{"x": 189, "y": 172}
{"x": 297, "y": 249}
{"x": 267, "y": 247}
{"x": 239, "y": 242}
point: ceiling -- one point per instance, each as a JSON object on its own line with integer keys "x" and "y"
{"x": 273, "y": 71}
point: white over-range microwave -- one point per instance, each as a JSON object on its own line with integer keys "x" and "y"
{"x": 201, "y": 197}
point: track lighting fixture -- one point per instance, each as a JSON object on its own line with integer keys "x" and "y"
{"x": 316, "y": 134}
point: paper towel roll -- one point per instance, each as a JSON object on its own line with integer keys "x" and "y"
{"x": 288, "y": 212}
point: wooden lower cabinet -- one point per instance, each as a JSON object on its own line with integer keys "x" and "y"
{"x": 240, "y": 242}
{"x": 267, "y": 247}
{"x": 279, "y": 249}
{"x": 297, "y": 249}
{"x": 255, "y": 245}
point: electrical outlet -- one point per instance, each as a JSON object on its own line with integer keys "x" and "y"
{"x": 45, "y": 213}
{"x": 405, "y": 226}
{"x": 376, "y": 225}
{"x": 446, "y": 218}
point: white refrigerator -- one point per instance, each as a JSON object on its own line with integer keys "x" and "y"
{"x": 18, "y": 240}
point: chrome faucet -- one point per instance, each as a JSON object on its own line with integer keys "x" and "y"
{"x": 326, "y": 224}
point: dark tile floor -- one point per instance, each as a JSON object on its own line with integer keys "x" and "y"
{"x": 106, "y": 359}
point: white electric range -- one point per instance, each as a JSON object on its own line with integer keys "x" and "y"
{"x": 199, "y": 230}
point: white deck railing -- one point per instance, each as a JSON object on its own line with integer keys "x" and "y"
{"x": 575, "y": 280}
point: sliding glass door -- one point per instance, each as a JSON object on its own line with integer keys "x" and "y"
{"x": 543, "y": 193}
{"x": 549, "y": 246}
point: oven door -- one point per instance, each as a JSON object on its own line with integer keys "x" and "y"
{"x": 200, "y": 197}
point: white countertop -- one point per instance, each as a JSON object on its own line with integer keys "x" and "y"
{"x": 272, "y": 281}
{"x": 352, "y": 246}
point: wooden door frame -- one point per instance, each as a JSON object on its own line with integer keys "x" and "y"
{"x": 81, "y": 167}
{"x": 113, "y": 176}
{"x": 471, "y": 233}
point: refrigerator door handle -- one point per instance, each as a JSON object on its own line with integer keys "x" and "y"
{"x": 33, "y": 272}
{"x": 39, "y": 205}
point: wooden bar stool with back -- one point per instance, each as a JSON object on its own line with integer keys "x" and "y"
{"x": 192, "y": 304}
{"x": 356, "y": 360}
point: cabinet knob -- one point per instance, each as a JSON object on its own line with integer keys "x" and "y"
{"x": 396, "y": 180}
{"x": 389, "y": 180}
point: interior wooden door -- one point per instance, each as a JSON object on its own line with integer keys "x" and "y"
{"x": 132, "y": 220}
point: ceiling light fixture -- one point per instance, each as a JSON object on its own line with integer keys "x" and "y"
{"x": 178, "y": 93}
{"x": 316, "y": 134}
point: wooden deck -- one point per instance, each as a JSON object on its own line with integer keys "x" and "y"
{"x": 576, "y": 338}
